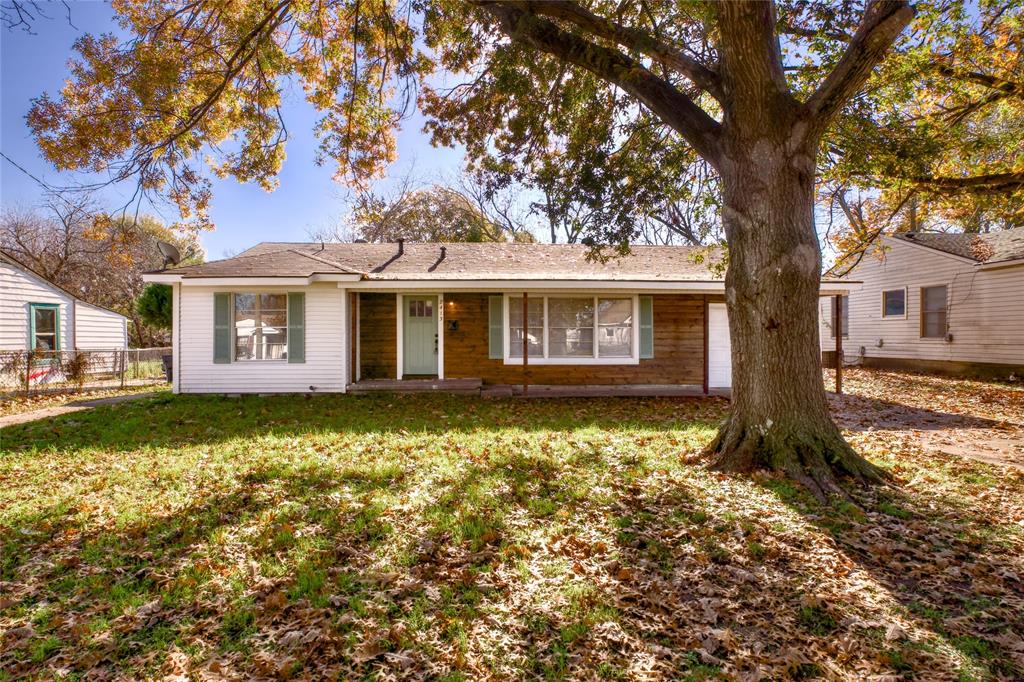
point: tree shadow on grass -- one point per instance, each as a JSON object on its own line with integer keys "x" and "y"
{"x": 198, "y": 420}
{"x": 956, "y": 570}
{"x": 574, "y": 556}
{"x": 857, "y": 413}
{"x": 118, "y": 599}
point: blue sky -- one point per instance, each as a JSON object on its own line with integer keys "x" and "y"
{"x": 244, "y": 214}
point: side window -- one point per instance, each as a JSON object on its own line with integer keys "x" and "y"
{"x": 894, "y": 303}
{"x": 44, "y": 327}
{"x": 933, "y": 312}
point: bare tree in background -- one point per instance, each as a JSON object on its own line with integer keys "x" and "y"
{"x": 97, "y": 258}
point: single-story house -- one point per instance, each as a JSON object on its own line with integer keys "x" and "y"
{"x": 290, "y": 317}
{"x": 38, "y": 315}
{"x": 949, "y": 303}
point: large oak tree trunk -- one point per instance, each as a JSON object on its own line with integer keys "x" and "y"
{"x": 779, "y": 418}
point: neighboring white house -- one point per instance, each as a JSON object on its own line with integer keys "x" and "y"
{"x": 951, "y": 303}
{"x": 36, "y": 314}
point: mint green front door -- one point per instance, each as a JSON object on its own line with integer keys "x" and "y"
{"x": 419, "y": 330}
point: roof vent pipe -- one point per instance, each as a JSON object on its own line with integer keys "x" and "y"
{"x": 444, "y": 252}
{"x": 401, "y": 246}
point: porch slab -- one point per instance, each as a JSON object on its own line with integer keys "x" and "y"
{"x": 416, "y": 386}
{"x": 603, "y": 391}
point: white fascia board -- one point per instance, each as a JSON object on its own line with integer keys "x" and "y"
{"x": 245, "y": 281}
{"x": 161, "y": 278}
{"x": 436, "y": 286}
{"x": 833, "y": 288}
{"x": 170, "y": 278}
{"x": 999, "y": 264}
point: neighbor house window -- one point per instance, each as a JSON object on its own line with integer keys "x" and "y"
{"x": 261, "y": 326}
{"x": 573, "y": 329}
{"x": 846, "y": 317}
{"x": 894, "y": 303}
{"x": 933, "y": 312}
{"x": 44, "y": 326}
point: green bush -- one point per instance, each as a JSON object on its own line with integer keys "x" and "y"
{"x": 154, "y": 306}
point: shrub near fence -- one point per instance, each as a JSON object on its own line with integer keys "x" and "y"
{"x": 42, "y": 371}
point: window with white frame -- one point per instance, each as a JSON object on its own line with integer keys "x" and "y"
{"x": 261, "y": 326}
{"x": 573, "y": 329}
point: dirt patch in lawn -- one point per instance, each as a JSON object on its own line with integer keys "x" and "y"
{"x": 973, "y": 419}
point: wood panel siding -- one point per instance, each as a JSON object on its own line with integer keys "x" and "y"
{"x": 678, "y": 347}
{"x": 985, "y": 309}
{"x": 378, "y": 336}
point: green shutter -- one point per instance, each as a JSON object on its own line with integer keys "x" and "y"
{"x": 222, "y": 328}
{"x": 646, "y": 327}
{"x": 496, "y": 327}
{"x": 296, "y": 327}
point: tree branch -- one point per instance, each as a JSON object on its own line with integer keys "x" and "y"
{"x": 993, "y": 183}
{"x": 883, "y": 21}
{"x": 632, "y": 38}
{"x": 672, "y": 106}
{"x": 751, "y": 56}
{"x": 1008, "y": 88}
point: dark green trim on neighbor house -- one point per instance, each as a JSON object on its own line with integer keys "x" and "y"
{"x": 32, "y": 308}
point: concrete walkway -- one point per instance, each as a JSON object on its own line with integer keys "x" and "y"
{"x": 76, "y": 406}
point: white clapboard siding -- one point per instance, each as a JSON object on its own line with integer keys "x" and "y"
{"x": 99, "y": 329}
{"x": 985, "y": 309}
{"x": 19, "y": 288}
{"x": 323, "y": 369}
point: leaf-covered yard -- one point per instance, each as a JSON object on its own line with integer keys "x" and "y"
{"x": 456, "y": 538}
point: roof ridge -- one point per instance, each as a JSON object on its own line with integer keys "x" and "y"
{"x": 325, "y": 261}
{"x": 224, "y": 260}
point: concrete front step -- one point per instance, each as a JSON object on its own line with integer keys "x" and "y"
{"x": 471, "y": 386}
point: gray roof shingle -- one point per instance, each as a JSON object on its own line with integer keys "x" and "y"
{"x": 982, "y": 248}
{"x": 462, "y": 261}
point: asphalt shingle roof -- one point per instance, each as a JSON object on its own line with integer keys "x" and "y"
{"x": 983, "y": 248}
{"x": 461, "y": 261}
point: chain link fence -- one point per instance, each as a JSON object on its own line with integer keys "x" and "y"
{"x": 28, "y": 372}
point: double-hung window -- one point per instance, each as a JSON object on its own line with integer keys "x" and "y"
{"x": 261, "y": 326}
{"x": 573, "y": 329}
{"x": 44, "y": 326}
{"x": 933, "y": 312}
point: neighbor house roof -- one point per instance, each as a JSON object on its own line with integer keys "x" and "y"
{"x": 982, "y": 248}
{"x": 461, "y": 261}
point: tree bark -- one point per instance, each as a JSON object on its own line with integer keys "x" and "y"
{"x": 779, "y": 418}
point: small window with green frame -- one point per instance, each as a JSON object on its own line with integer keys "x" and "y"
{"x": 44, "y": 327}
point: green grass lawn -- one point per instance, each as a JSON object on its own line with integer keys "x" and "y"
{"x": 456, "y": 538}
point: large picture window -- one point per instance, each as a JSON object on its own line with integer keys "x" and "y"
{"x": 261, "y": 326}
{"x": 573, "y": 329}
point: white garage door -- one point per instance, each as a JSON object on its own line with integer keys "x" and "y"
{"x": 719, "y": 351}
